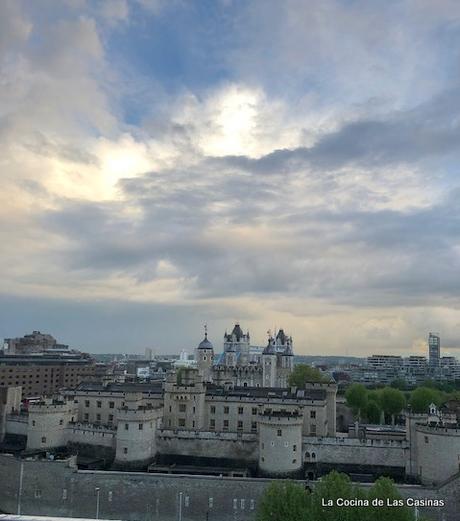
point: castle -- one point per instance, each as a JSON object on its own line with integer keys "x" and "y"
{"x": 233, "y": 411}
{"x": 244, "y": 365}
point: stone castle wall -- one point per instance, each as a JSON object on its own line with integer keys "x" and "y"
{"x": 69, "y": 492}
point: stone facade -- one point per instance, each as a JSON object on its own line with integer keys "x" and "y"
{"x": 145, "y": 497}
{"x": 244, "y": 365}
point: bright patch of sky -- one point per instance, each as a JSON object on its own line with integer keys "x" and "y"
{"x": 170, "y": 163}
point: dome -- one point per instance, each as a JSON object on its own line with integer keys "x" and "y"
{"x": 205, "y": 343}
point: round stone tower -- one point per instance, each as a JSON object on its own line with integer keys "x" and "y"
{"x": 280, "y": 443}
{"x": 204, "y": 356}
{"x": 136, "y": 429}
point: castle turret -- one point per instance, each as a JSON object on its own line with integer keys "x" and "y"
{"x": 204, "y": 356}
{"x": 136, "y": 429}
{"x": 269, "y": 364}
{"x": 280, "y": 443}
{"x": 184, "y": 400}
{"x": 48, "y": 421}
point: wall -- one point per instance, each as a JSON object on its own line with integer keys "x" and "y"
{"x": 437, "y": 453}
{"x": 356, "y": 452}
{"x": 16, "y": 424}
{"x": 87, "y": 434}
{"x": 149, "y": 497}
{"x": 10, "y": 401}
{"x": 211, "y": 444}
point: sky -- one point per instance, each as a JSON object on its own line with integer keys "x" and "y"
{"x": 166, "y": 164}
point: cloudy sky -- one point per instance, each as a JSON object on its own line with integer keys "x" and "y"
{"x": 166, "y": 163}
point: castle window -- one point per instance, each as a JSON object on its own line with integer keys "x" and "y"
{"x": 204, "y": 358}
{"x": 252, "y": 504}
{"x": 98, "y": 417}
{"x": 294, "y": 448}
{"x": 181, "y": 422}
{"x": 294, "y": 461}
{"x": 242, "y": 504}
{"x": 64, "y": 494}
{"x": 240, "y": 425}
{"x": 182, "y": 407}
{"x": 313, "y": 429}
{"x": 126, "y": 426}
{"x": 141, "y": 426}
{"x": 313, "y": 455}
{"x": 279, "y": 433}
{"x": 212, "y": 424}
{"x": 307, "y": 455}
{"x": 426, "y": 439}
{"x": 213, "y": 409}
{"x": 125, "y": 450}
{"x": 86, "y": 403}
{"x": 235, "y": 504}
{"x": 225, "y": 425}
{"x": 110, "y": 418}
{"x": 254, "y": 426}
{"x": 61, "y": 422}
{"x": 99, "y": 404}
{"x": 312, "y": 414}
{"x": 210, "y": 502}
{"x": 86, "y": 416}
{"x": 254, "y": 410}
{"x": 33, "y": 423}
{"x": 38, "y": 493}
{"x": 111, "y": 405}
{"x": 43, "y": 439}
{"x": 240, "y": 410}
{"x": 226, "y": 410}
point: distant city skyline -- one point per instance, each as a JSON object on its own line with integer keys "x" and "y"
{"x": 293, "y": 164}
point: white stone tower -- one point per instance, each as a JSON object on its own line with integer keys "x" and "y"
{"x": 280, "y": 443}
{"x": 269, "y": 364}
{"x": 204, "y": 356}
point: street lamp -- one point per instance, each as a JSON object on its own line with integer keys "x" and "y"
{"x": 21, "y": 477}
{"x": 180, "y": 506}
{"x": 97, "y": 490}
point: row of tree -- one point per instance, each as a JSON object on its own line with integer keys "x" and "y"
{"x": 380, "y": 405}
{"x": 291, "y": 501}
{"x": 383, "y": 404}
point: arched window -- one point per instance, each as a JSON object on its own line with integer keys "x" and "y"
{"x": 307, "y": 455}
{"x": 313, "y": 455}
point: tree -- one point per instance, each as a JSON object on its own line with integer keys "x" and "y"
{"x": 284, "y": 501}
{"x": 373, "y": 412}
{"x": 384, "y": 488}
{"x": 356, "y": 396}
{"x": 333, "y": 486}
{"x": 399, "y": 383}
{"x": 304, "y": 373}
{"x": 422, "y": 397}
{"x": 392, "y": 401}
{"x": 288, "y": 501}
